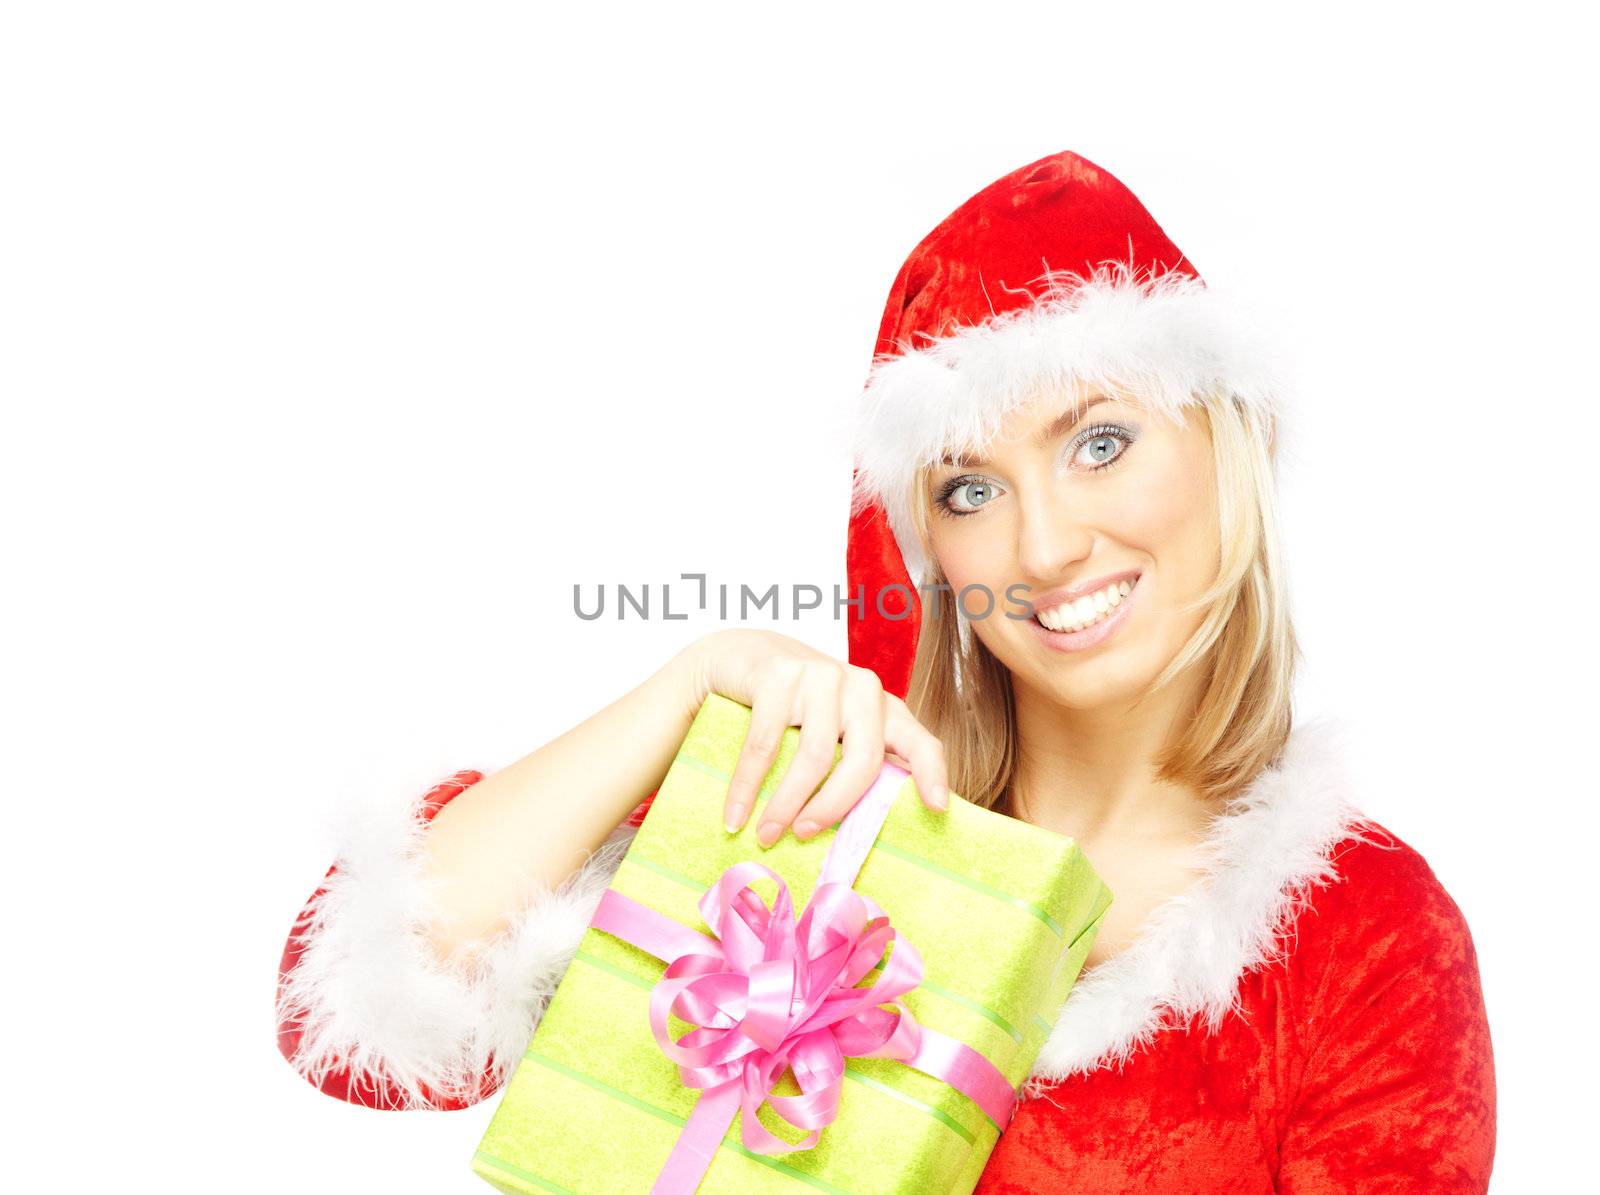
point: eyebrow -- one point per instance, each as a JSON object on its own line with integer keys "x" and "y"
{"x": 1061, "y": 423}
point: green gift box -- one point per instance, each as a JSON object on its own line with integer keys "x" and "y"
{"x": 1002, "y": 913}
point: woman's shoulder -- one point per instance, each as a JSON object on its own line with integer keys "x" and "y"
{"x": 1345, "y": 880}
{"x": 1378, "y": 884}
{"x": 1382, "y": 919}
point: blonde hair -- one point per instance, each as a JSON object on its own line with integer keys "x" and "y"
{"x": 1245, "y": 644}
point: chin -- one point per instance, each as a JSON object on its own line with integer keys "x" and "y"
{"x": 1093, "y": 682}
{"x": 1085, "y": 694}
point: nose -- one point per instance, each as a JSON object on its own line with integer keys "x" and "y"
{"x": 1051, "y": 537}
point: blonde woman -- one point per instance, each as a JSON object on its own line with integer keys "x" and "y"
{"x": 1072, "y": 609}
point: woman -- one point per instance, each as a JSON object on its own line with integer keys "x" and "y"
{"x": 1071, "y": 463}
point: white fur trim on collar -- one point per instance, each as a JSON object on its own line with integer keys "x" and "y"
{"x": 1161, "y": 339}
{"x": 371, "y": 995}
{"x": 1271, "y": 842}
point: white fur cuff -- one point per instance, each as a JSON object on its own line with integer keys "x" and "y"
{"x": 371, "y": 996}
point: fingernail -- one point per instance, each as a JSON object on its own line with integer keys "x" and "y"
{"x": 939, "y": 797}
{"x": 735, "y": 819}
{"x": 806, "y": 828}
{"x": 768, "y": 834}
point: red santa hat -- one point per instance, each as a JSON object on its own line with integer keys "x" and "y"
{"x": 1053, "y": 275}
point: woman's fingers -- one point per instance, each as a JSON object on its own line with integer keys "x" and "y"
{"x": 862, "y": 710}
{"x": 924, "y": 753}
{"x": 829, "y": 701}
{"x": 770, "y": 715}
{"x": 819, "y": 740}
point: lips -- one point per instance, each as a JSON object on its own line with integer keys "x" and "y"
{"x": 1097, "y": 631}
{"x": 1080, "y": 605}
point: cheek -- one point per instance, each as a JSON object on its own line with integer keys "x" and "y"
{"x": 1160, "y": 516}
{"x": 1176, "y": 521}
{"x": 967, "y": 559}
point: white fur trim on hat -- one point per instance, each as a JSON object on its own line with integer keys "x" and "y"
{"x": 372, "y": 996}
{"x": 1162, "y": 339}
{"x": 1262, "y": 854}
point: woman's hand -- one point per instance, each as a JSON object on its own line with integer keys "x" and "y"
{"x": 786, "y": 683}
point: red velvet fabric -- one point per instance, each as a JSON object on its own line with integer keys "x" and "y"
{"x": 1360, "y": 1063}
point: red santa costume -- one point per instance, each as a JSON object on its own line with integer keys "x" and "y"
{"x": 1305, "y": 1017}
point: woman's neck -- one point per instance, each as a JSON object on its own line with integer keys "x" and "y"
{"x": 1090, "y": 773}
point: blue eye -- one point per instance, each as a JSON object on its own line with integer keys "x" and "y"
{"x": 1101, "y": 447}
{"x": 973, "y": 493}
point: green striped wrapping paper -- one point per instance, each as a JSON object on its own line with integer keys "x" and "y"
{"x": 1002, "y": 912}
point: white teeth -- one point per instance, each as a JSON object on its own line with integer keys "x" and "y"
{"x": 1074, "y": 616}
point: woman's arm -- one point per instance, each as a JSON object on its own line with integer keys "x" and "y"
{"x": 1397, "y": 1091}
{"x": 416, "y": 973}
{"x": 532, "y": 824}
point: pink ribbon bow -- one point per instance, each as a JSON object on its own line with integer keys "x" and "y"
{"x": 769, "y": 995}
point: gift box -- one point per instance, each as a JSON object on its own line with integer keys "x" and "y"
{"x": 991, "y": 916}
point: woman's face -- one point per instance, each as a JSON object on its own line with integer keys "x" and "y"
{"x": 1081, "y": 491}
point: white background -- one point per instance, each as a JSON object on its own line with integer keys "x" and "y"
{"x": 340, "y": 340}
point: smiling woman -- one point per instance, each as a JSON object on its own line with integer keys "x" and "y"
{"x": 1164, "y": 522}
{"x": 1284, "y": 998}
{"x": 1100, "y": 440}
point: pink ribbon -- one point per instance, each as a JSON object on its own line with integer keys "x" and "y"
{"x": 770, "y": 994}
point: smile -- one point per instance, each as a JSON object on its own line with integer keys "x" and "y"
{"x": 1075, "y": 626}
